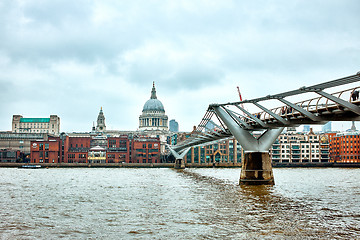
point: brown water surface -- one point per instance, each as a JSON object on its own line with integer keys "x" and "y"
{"x": 173, "y": 204}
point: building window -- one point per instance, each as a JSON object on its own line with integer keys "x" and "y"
{"x": 46, "y": 146}
{"x": 112, "y": 143}
{"x": 41, "y": 146}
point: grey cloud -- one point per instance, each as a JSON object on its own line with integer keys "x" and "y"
{"x": 182, "y": 45}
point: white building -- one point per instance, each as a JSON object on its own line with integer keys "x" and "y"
{"x": 49, "y": 125}
{"x": 295, "y": 147}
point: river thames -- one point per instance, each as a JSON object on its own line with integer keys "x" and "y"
{"x": 143, "y": 203}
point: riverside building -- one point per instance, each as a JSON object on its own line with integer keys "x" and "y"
{"x": 291, "y": 147}
{"x": 225, "y": 151}
{"x": 49, "y": 125}
{"x": 345, "y": 147}
{"x": 95, "y": 148}
{"x": 46, "y": 151}
{"x": 20, "y": 141}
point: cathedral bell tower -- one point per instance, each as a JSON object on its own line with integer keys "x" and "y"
{"x": 100, "y": 127}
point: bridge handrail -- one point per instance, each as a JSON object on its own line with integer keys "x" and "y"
{"x": 306, "y": 104}
{"x": 312, "y": 108}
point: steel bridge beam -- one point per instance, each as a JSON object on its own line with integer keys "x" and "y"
{"x": 301, "y": 110}
{"x": 261, "y": 123}
{"x": 277, "y": 117}
{"x": 245, "y": 138}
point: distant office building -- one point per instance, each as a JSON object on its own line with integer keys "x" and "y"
{"x": 306, "y": 128}
{"x": 49, "y": 125}
{"x": 174, "y": 126}
{"x": 326, "y": 127}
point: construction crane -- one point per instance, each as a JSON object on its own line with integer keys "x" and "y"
{"x": 239, "y": 93}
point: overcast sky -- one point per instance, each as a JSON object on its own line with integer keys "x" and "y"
{"x": 70, "y": 58}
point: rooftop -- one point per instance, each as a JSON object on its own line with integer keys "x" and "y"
{"x": 34, "y": 120}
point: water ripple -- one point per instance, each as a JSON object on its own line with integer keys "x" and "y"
{"x": 172, "y": 204}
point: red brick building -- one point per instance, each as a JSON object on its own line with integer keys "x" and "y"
{"x": 345, "y": 147}
{"x": 145, "y": 150}
{"x": 76, "y": 149}
{"x": 46, "y": 151}
{"x": 86, "y": 148}
{"x": 118, "y": 149}
{"x": 96, "y": 149}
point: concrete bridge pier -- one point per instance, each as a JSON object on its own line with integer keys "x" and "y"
{"x": 179, "y": 164}
{"x": 256, "y": 169}
{"x": 256, "y": 165}
{"x": 179, "y": 158}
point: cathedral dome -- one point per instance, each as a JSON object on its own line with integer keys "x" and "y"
{"x": 153, "y": 104}
{"x": 153, "y": 117}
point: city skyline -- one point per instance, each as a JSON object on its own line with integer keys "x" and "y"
{"x": 71, "y": 58}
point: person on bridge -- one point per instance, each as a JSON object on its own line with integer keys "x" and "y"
{"x": 355, "y": 95}
{"x": 289, "y": 110}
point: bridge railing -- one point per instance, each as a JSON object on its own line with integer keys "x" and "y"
{"x": 314, "y": 105}
{"x": 310, "y": 111}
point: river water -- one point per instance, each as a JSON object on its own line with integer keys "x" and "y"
{"x": 129, "y": 203}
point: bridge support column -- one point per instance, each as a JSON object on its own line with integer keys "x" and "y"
{"x": 256, "y": 164}
{"x": 256, "y": 169}
{"x": 179, "y": 158}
